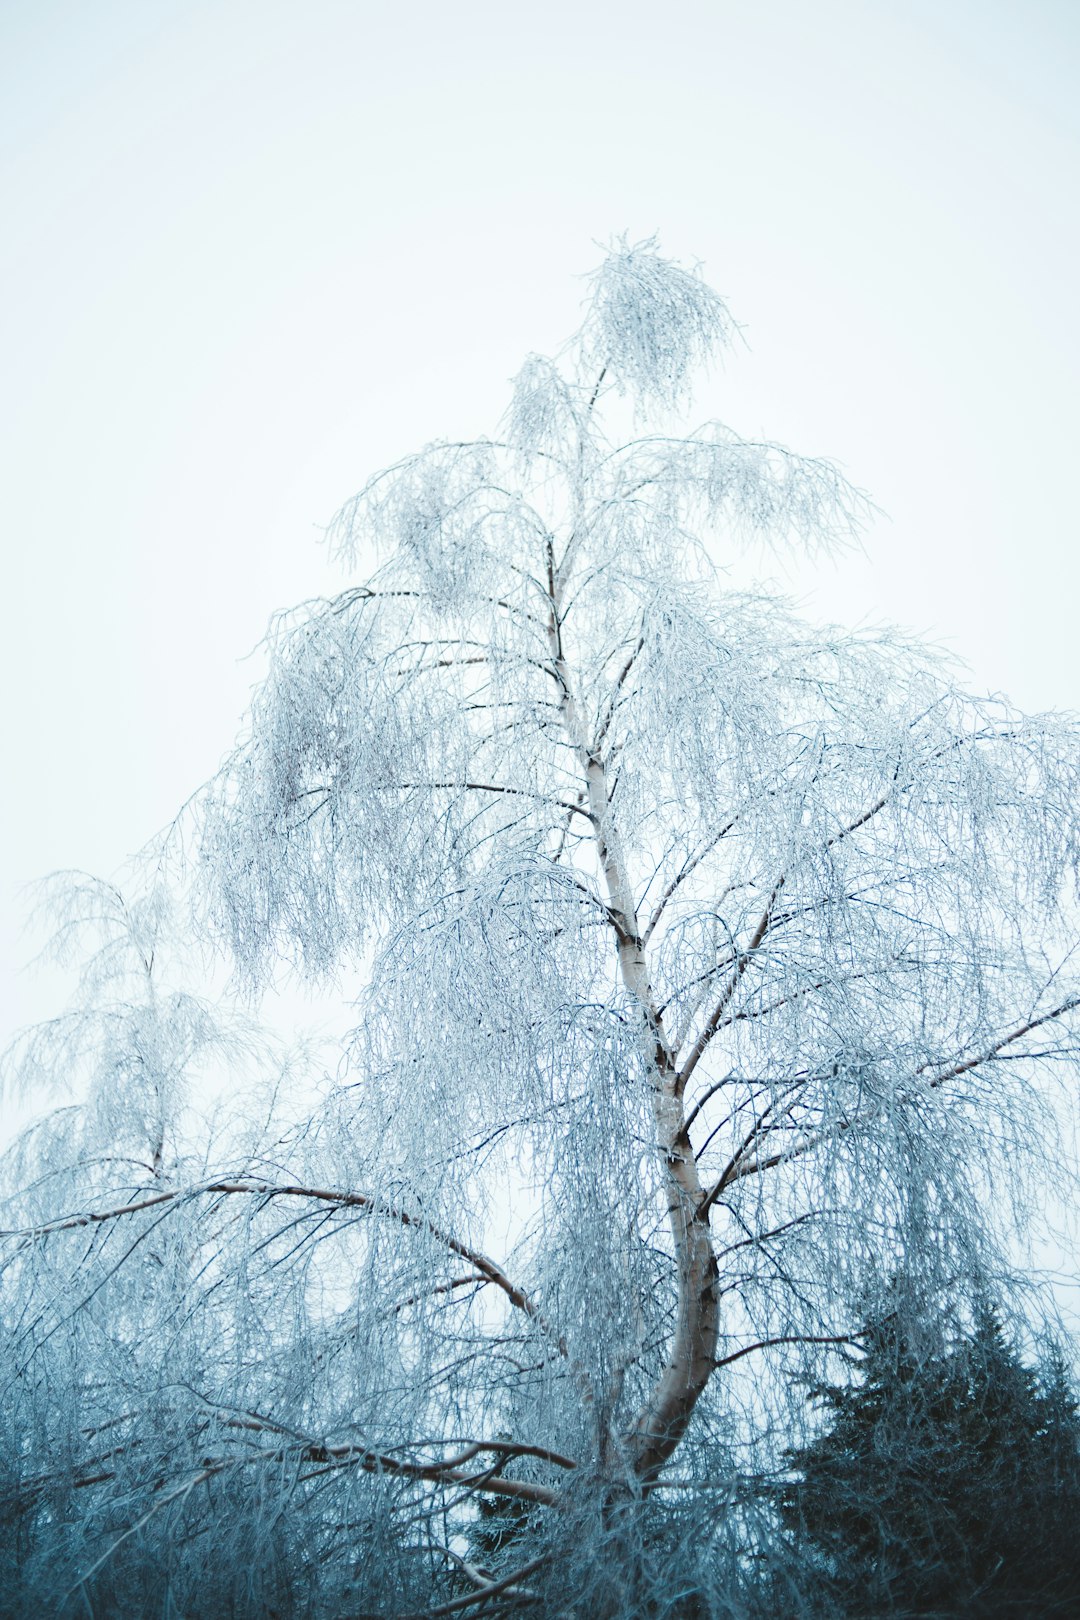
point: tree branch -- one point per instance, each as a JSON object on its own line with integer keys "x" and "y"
{"x": 784, "y": 1338}
{"x": 502, "y": 1585}
{"x": 712, "y": 1023}
{"x": 612, "y": 703}
{"x": 488, "y": 1269}
{"x": 737, "y": 1171}
{"x": 494, "y": 787}
{"x": 681, "y": 876}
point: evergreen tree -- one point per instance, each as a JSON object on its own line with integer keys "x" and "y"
{"x": 947, "y": 1484}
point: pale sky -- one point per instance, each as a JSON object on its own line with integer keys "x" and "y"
{"x": 254, "y": 250}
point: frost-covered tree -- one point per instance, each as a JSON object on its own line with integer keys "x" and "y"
{"x": 704, "y": 965}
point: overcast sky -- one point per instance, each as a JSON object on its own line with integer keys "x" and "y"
{"x": 253, "y": 250}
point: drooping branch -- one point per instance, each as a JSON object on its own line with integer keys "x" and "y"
{"x": 739, "y": 1167}
{"x": 318, "y": 1454}
{"x": 488, "y": 1269}
{"x": 447, "y": 1472}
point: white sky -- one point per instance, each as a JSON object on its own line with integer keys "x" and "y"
{"x": 254, "y": 250}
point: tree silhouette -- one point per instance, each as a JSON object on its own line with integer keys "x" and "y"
{"x": 946, "y": 1483}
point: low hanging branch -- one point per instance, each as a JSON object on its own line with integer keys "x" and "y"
{"x": 486, "y": 1269}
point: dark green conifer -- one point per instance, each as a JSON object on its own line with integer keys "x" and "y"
{"x": 946, "y": 1484}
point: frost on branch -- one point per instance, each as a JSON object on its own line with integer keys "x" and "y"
{"x": 542, "y": 417}
{"x": 706, "y": 970}
{"x": 760, "y": 490}
{"x": 651, "y": 324}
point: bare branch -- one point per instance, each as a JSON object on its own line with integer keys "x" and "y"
{"x": 784, "y": 1338}
{"x": 681, "y": 876}
{"x": 505, "y": 1584}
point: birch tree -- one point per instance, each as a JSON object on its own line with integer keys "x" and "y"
{"x": 705, "y": 966}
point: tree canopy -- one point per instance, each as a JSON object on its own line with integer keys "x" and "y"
{"x": 947, "y": 1481}
{"x": 704, "y": 965}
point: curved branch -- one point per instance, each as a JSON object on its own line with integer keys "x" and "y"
{"x": 784, "y": 1338}
{"x": 488, "y": 1269}
{"x": 505, "y": 1584}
